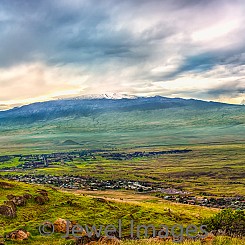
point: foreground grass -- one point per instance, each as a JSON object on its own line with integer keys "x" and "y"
{"x": 91, "y": 211}
{"x": 219, "y": 240}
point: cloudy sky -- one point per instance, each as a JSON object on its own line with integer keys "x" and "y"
{"x": 175, "y": 48}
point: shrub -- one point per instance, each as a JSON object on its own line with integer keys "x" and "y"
{"x": 231, "y": 222}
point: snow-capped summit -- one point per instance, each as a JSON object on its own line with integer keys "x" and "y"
{"x": 109, "y": 95}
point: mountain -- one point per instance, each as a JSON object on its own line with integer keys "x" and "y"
{"x": 114, "y": 96}
{"x": 98, "y": 104}
{"x": 109, "y": 121}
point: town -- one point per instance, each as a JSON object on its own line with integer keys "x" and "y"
{"x": 45, "y": 160}
{"x": 126, "y": 156}
{"x": 93, "y": 184}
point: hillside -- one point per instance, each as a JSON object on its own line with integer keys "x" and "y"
{"x": 108, "y": 123}
{"x": 89, "y": 210}
{"x": 85, "y": 107}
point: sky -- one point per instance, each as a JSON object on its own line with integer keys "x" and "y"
{"x": 173, "y": 48}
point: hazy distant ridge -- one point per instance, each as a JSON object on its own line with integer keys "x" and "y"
{"x": 84, "y": 107}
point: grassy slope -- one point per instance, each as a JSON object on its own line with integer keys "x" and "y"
{"x": 183, "y": 126}
{"x": 90, "y": 210}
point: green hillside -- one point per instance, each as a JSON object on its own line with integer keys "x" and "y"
{"x": 175, "y": 126}
{"x": 89, "y": 210}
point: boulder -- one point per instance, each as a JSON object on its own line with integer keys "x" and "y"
{"x": 41, "y": 199}
{"x": 10, "y": 196}
{"x": 11, "y": 204}
{"x": 17, "y": 200}
{"x": 60, "y": 226}
{"x": 19, "y": 235}
{"x": 7, "y": 211}
{"x": 27, "y": 196}
{"x": 43, "y": 192}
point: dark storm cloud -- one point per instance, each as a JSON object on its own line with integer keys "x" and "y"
{"x": 61, "y": 32}
{"x": 57, "y": 31}
{"x": 43, "y": 28}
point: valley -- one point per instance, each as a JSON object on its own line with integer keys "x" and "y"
{"x": 151, "y": 159}
{"x": 193, "y": 175}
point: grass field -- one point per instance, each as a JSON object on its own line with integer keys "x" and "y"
{"x": 91, "y": 210}
{"x": 88, "y": 209}
{"x": 125, "y": 129}
{"x": 210, "y": 169}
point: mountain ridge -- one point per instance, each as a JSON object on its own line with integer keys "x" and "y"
{"x": 117, "y": 97}
{"x": 84, "y": 107}
{"x": 96, "y": 123}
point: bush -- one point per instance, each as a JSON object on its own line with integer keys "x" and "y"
{"x": 230, "y": 222}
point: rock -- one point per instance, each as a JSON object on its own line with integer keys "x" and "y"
{"x": 10, "y": 197}
{"x": 19, "y": 235}
{"x": 48, "y": 225}
{"x": 60, "y": 225}
{"x": 208, "y": 239}
{"x": 41, "y": 199}
{"x": 7, "y": 211}
{"x": 27, "y": 196}
{"x": 43, "y": 192}
{"x": 11, "y": 204}
{"x": 18, "y": 200}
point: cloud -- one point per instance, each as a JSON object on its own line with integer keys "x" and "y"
{"x": 235, "y": 88}
{"x": 50, "y": 48}
{"x": 30, "y": 81}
